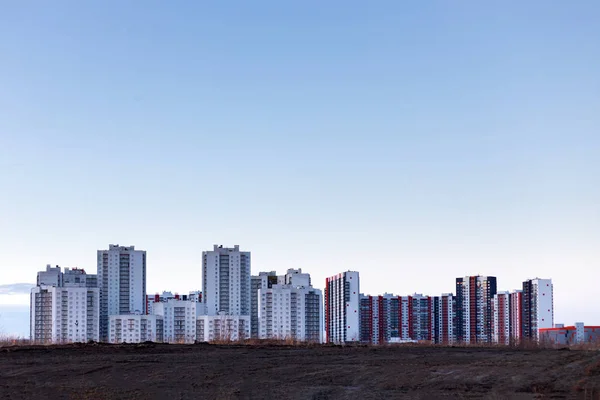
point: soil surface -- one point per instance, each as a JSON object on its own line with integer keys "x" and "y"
{"x": 159, "y": 371}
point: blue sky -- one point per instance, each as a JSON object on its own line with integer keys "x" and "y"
{"x": 413, "y": 142}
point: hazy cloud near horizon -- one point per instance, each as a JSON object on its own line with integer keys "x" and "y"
{"x": 16, "y": 288}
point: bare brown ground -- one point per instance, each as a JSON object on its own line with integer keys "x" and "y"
{"x": 156, "y": 371}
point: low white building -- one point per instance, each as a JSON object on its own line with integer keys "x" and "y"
{"x": 132, "y": 328}
{"x": 291, "y": 312}
{"x": 179, "y": 320}
{"x": 224, "y": 328}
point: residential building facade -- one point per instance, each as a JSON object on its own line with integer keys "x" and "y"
{"x": 444, "y": 318}
{"x": 67, "y": 312}
{"x": 501, "y": 309}
{"x": 179, "y": 319}
{"x": 474, "y": 317}
{"x": 516, "y": 316}
{"x": 264, "y": 280}
{"x": 290, "y": 312}
{"x": 342, "y": 304}
{"x": 222, "y": 328}
{"x": 538, "y": 307}
{"x": 136, "y": 328}
{"x": 122, "y": 283}
{"x": 226, "y": 281}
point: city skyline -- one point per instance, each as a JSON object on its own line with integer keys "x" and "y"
{"x": 569, "y": 316}
{"x": 234, "y": 305}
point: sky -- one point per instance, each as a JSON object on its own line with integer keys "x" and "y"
{"x": 414, "y": 142}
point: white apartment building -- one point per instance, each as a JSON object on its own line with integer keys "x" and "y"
{"x": 122, "y": 283}
{"x": 179, "y": 318}
{"x": 135, "y": 328}
{"x": 64, "y": 314}
{"x": 222, "y": 328}
{"x": 538, "y": 307}
{"x": 226, "y": 281}
{"x": 263, "y": 280}
{"x": 290, "y": 312}
{"x": 342, "y": 306}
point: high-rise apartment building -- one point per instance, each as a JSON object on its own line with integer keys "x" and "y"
{"x": 415, "y": 317}
{"x": 501, "y": 309}
{"x": 516, "y": 316}
{"x": 538, "y": 307}
{"x": 64, "y": 307}
{"x": 122, "y": 283}
{"x": 264, "y": 280}
{"x": 226, "y": 281}
{"x": 444, "y": 318}
{"x": 379, "y": 318}
{"x": 390, "y": 318}
{"x": 342, "y": 304}
{"x": 290, "y": 312}
{"x": 474, "y": 315}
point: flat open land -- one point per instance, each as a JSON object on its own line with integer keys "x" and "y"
{"x": 157, "y": 371}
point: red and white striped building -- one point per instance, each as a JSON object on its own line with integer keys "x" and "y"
{"x": 474, "y": 317}
{"x": 378, "y": 323}
{"x": 444, "y": 317}
{"x": 501, "y": 309}
{"x": 388, "y": 318}
{"x": 417, "y": 318}
{"x": 516, "y": 315}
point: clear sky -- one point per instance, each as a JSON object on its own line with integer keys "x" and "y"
{"x": 414, "y": 142}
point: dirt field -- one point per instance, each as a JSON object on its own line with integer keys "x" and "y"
{"x": 151, "y": 371}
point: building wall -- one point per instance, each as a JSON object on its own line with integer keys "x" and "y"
{"x": 538, "y": 307}
{"x": 545, "y": 304}
{"x": 64, "y": 314}
{"x": 379, "y": 318}
{"x": 474, "y": 308}
{"x": 179, "y": 318}
{"x": 444, "y": 318}
{"x": 263, "y": 280}
{"x": 223, "y": 328}
{"x": 296, "y": 277}
{"x": 133, "y": 328}
{"x": 52, "y": 276}
{"x": 501, "y": 310}
{"x": 516, "y": 316}
{"x": 122, "y": 283}
{"x": 226, "y": 281}
{"x": 570, "y": 335}
{"x": 369, "y": 319}
{"x": 288, "y": 312}
{"x": 342, "y": 304}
